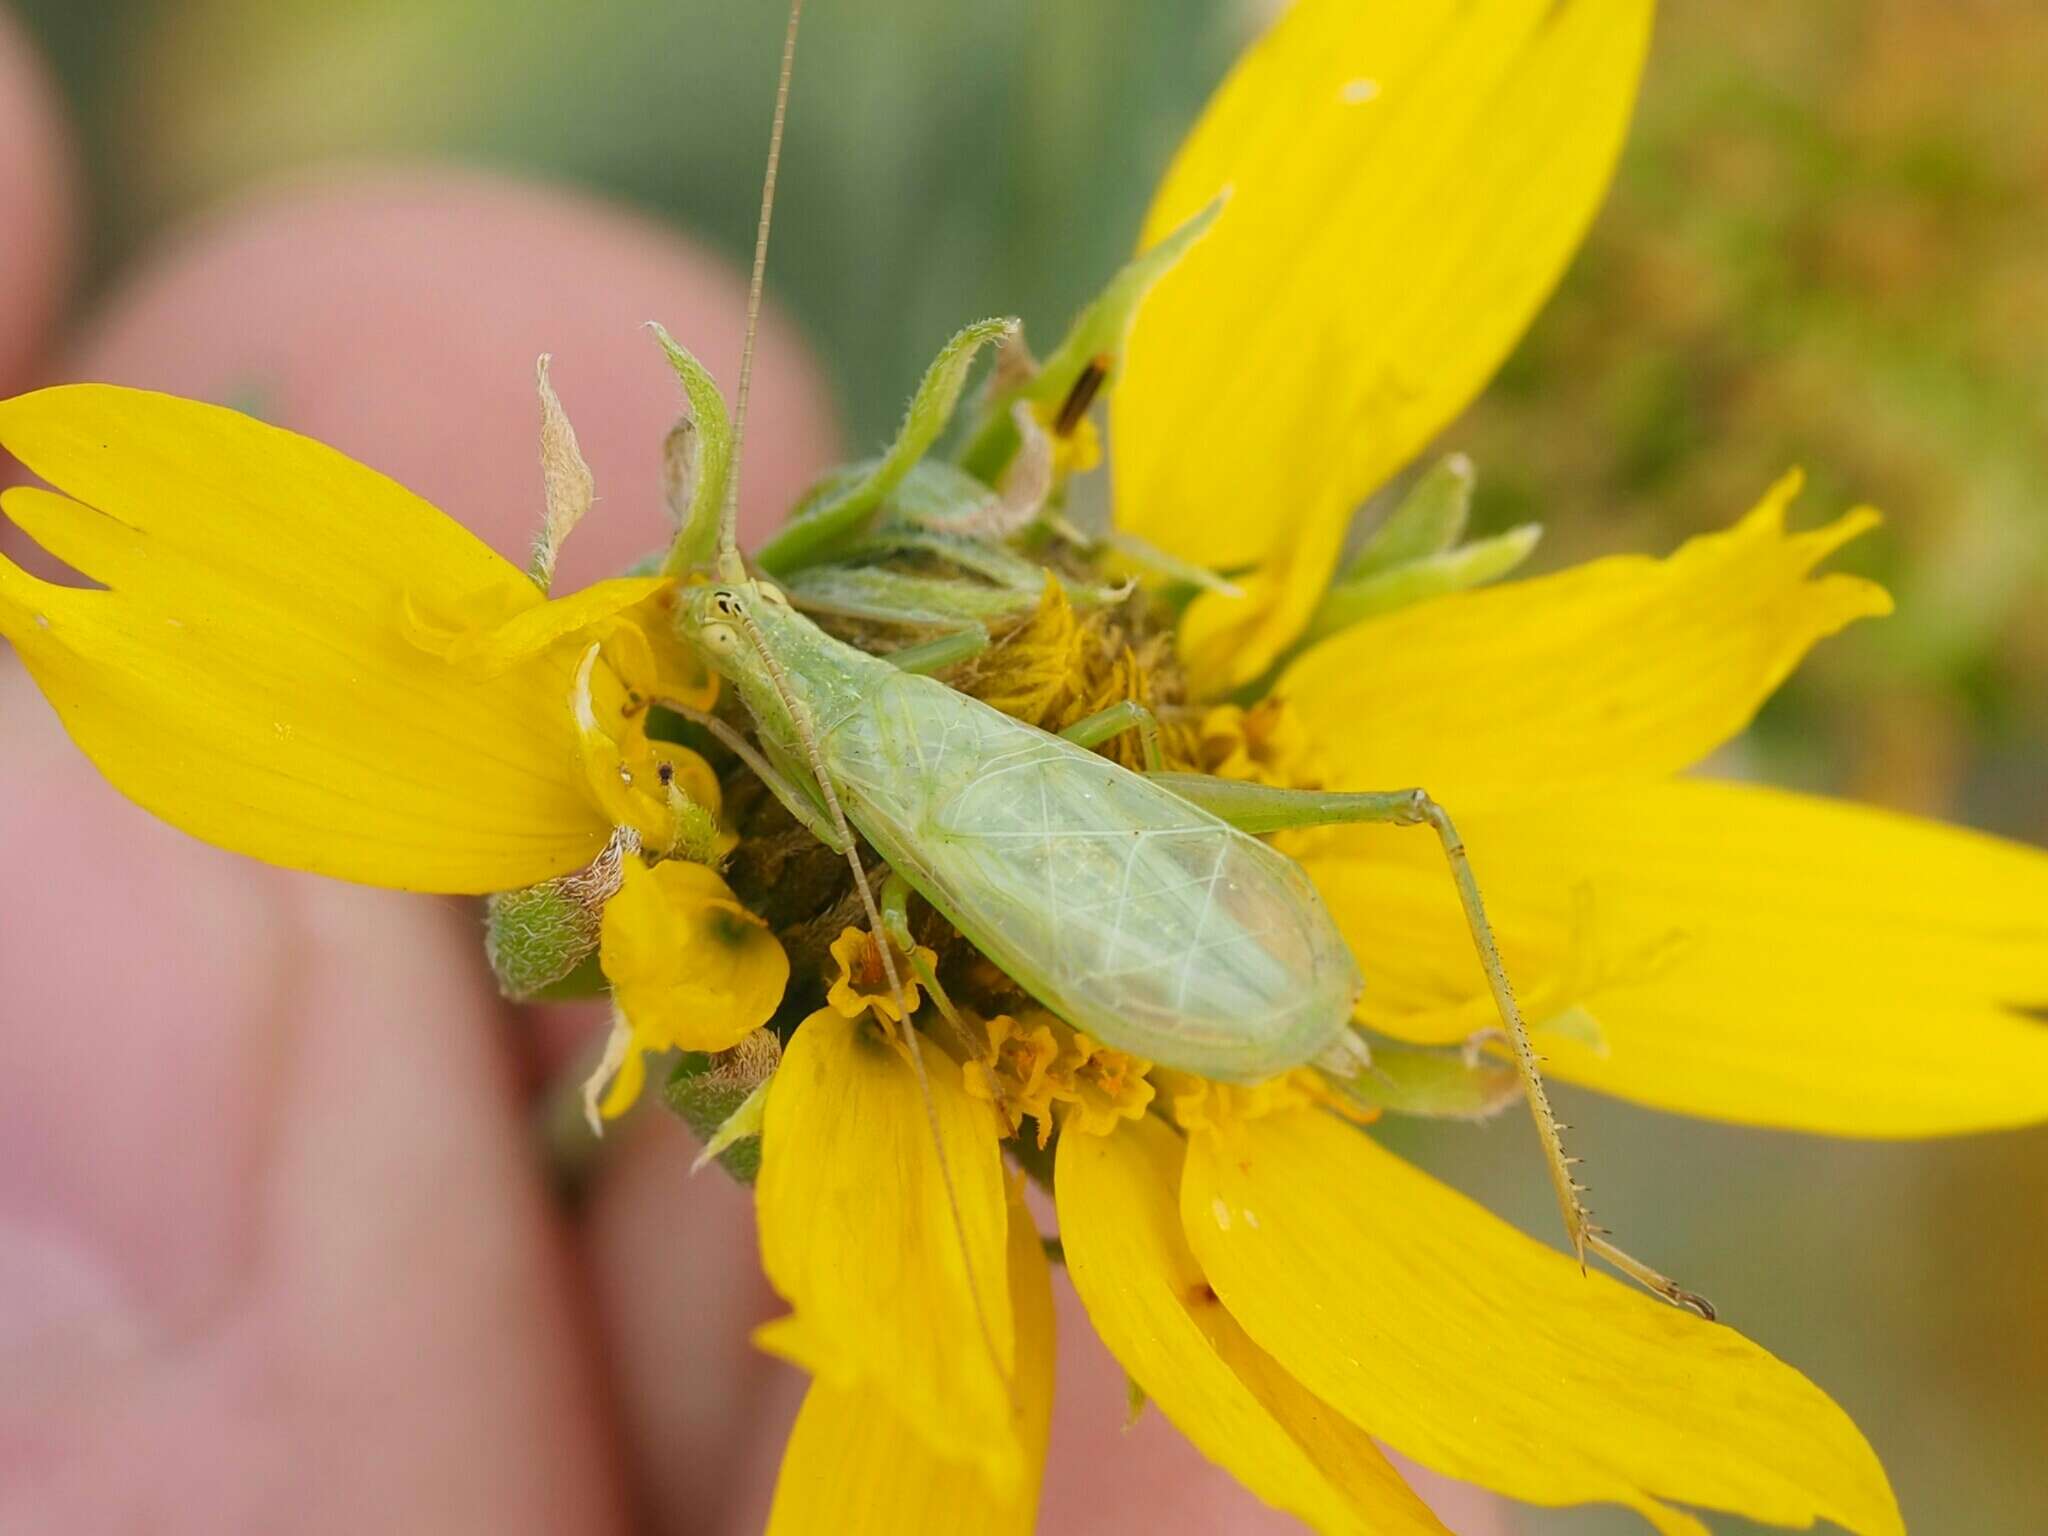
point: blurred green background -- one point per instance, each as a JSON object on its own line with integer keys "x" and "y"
{"x": 1828, "y": 246}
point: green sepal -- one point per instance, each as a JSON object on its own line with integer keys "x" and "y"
{"x": 1445, "y": 1084}
{"x": 697, "y": 460}
{"x": 993, "y": 563}
{"x": 1577, "y": 1025}
{"x": 697, "y": 831}
{"x": 1455, "y": 570}
{"x": 1136, "y": 1400}
{"x": 844, "y": 505}
{"x": 933, "y": 494}
{"x": 742, "y": 1125}
{"x": 1100, "y": 332}
{"x": 1008, "y": 586}
{"x": 708, "y": 1090}
{"x": 1183, "y": 580}
{"x": 1430, "y": 519}
{"x": 884, "y": 596}
{"x": 538, "y": 938}
{"x": 586, "y": 981}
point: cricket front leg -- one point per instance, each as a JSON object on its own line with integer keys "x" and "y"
{"x": 1125, "y": 715}
{"x": 941, "y": 651}
{"x": 796, "y": 799}
{"x": 1260, "y": 808}
{"x": 896, "y": 893}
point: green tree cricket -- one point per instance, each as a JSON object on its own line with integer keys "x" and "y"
{"x": 1140, "y": 907}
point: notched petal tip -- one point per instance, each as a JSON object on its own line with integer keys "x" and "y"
{"x": 246, "y": 673}
{"x": 1529, "y": 692}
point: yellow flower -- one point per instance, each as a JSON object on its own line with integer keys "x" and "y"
{"x": 299, "y": 660}
{"x": 1017, "y": 1073}
{"x": 1037, "y": 1066}
{"x": 863, "y": 981}
{"x": 690, "y": 968}
{"x": 894, "y": 1299}
{"x": 294, "y": 658}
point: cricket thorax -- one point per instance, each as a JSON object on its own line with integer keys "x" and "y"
{"x": 777, "y": 659}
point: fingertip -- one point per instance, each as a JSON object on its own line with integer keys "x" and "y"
{"x": 397, "y": 314}
{"x": 1107, "y": 1474}
{"x": 139, "y": 969}
{"x": 38, "y": 193}
{"x": 679, "y": 1290}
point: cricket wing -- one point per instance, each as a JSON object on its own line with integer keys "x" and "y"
{"x": 1138, "y": 918}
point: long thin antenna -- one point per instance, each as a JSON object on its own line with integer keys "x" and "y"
{"x": 730, "y": 567}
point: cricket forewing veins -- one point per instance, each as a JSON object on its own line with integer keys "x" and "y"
{"x": 1140, "y": 919}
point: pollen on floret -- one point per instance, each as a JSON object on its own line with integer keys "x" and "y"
{"x": 1039, "y": 1066}
{"x": 1061, "y": 665}
{"x": 1197, "y": 1103}
{"x": 863, "y": 982}
{"x": 1017, "y": 1075}
{"x": 1101, "y": 1086}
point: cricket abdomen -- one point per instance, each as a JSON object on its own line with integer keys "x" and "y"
{"x": 1138, "y": 918}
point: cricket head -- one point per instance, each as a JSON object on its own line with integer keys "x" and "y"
{"x": 778, "y": 660}
{"x": 722, "y": 624}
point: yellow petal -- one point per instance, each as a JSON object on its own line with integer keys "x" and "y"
{"x": 1619, "y": 669}
{"x": 1749, "y": 954}
{"x": 502, "y": 641}
{"x": 1231, "y": 639}
{"x": 891, "y": 1295}
{"x": 248, "y": 676}
{"x": 690, "y": 968}
{"x": 1406, "y": 184}
{"x": 1146, "y": 1296}
{"x": 1465, "y": 1345}
{"x": 853, "y": 1468}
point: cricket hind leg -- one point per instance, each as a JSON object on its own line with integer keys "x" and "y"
{"x": 1261, "y": 808}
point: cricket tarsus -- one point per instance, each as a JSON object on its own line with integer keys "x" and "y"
{"x": 1648, "y": 1278}
{"x": 730, "y": 567}
{"x": 1579, "y": 1226}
